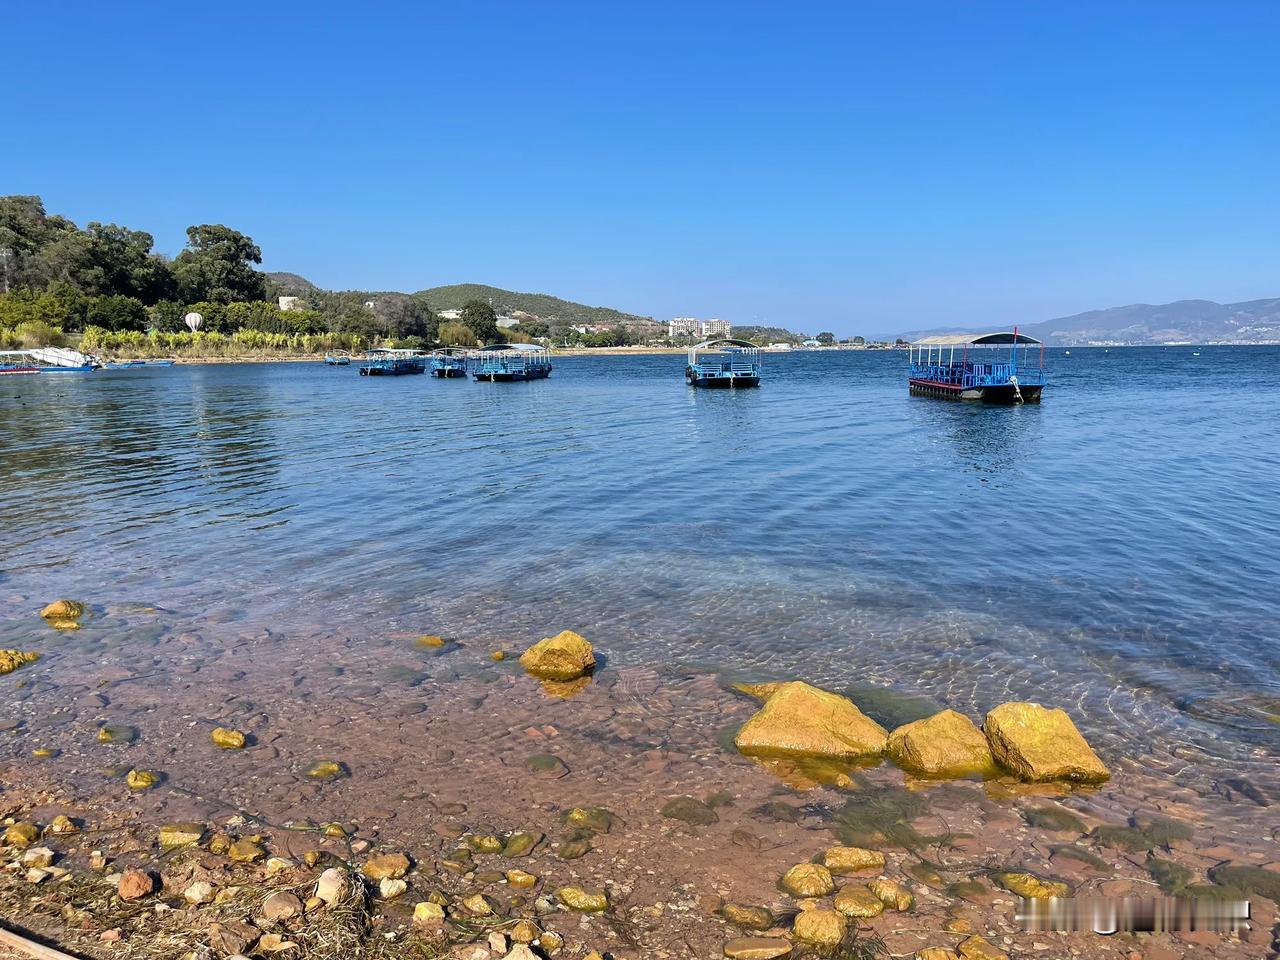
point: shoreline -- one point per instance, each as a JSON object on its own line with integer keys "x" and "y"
{"x": 440, "y": 749}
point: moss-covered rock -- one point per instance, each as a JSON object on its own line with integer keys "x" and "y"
{"x": 1040, "y": 744}
{"x": 691, "y": 810}
{"x": 945, "y": 745}
{"x": 595, "y": 819}
{"x": 977, "y": 948}
{"x": 823, "y": 929}
{"x": 1053, "y": 818}
{"x": 841, "y": 860}
{"x": 857, "y": 900}
{"x": 586, "y": 901}
{"x": 566, "y": 656}
{"x": 803, "y": 721}
{"x": 141, "y": 779}
{"x": 11, "y": 660}
{"x": 748, "y": 917}
{"x": 892, "y": 894}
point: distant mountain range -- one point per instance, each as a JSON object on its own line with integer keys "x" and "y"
{"x": 455, "y": 297}
{"x": 1183, "y": 321}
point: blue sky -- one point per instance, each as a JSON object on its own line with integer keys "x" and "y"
{"x": 857, "y": 167}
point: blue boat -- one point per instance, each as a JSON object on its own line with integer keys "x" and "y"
{"x": 724, "y": 363}
{"x": 133, "y": 364}
{"x": 984, "y": 370}
{"x": 449, "y": 362}
{"x": 384, "y": 362}
{"x": 510, "y": 362}
{"x": 339, "y": 359}
{"x": 48, "y": 360}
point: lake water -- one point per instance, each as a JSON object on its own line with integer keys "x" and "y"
{"x": 1113, "y": 550}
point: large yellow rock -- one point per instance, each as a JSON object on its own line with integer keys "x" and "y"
{"x": 947, "y": 744}
{"x": 808, "y": 880}
{"x": 1031, "y": 886}
{"x": 976, "y": 948}
{"x": 820, "y": 928}
{"x": 892, "y": 894}
{"x": 1040, "y": 744}
{"x": 852, "y": 859}
{"x": 227, "y": 738}
{"x": 566, "y": 656}
{"x": 585, "y": 901}
{"x": 803, "y": 721}
{"x": 856, "y": 900}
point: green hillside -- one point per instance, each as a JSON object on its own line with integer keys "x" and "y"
{"x": 541, "y": 305}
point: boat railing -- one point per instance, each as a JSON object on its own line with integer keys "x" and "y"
{"x": 973, "y": 374}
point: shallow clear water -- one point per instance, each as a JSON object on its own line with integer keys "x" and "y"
{"x": 1113, "y": 550}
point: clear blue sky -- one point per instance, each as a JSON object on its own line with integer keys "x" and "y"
{"x": 857, "y": 167}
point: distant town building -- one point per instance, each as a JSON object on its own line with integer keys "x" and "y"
{"x": 450, "y": 314}
{"x": 716, "y": 328}
{"x": 506, "y": 323}
{"x": 290, "y": 303}
{"x": 684, "y": 327}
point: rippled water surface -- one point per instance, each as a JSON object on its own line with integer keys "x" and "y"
{"x": 1113, "y": 550}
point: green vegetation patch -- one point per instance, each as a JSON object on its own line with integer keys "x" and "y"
{"x": 1053, "y": 818}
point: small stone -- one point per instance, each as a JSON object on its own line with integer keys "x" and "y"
{"x": 386, "y": 865}
{"x": 430, "y": 642}
{"x": 477, "y": 905}
{"x": 63, "y": 610}
{"x": 37, "y": 875}
{"x": 335, "y": 831}
{"x": 936, "y": 953}
{"x": 525, "y": 931}
{"x": 141, "y": 779}
{"x": 808, "y": 880}
{"x": 281, "y": 906}
{"x": 757, "y": 948}
{"x": 551, "y": 942}
{"x": 325, "y": 770}
{"x": 1029, "y": 885}
{"x": 275, "y": 943}
{"x": 587, "y": 901}
{"x": 596, "y": 819}
{"x": 21, "y": 835}
{"x": 958, "y": 925}
{"x": 246, "y": 851}
{"x": 841, "y": 860}
{"x": 42, "y": 753}
{"x": 199, "y": 892}
{"x": 227, "y": 738}
{"x": 484, "y": 843}
{"x": 892, "y": 894}
{"x": 497, "y": 942}
{"x": 857, "y": 900}
{"x": 690, "y": 810}
{"x": 135, "y": 884}
{"x": 498, "y": 656}
{"x": 97, "y": 861}
{"x": 470, "y": 951}
{"x": 38, "y": 857}
{"x": 574, "y": 846}
{"x": 749, "y": 918}
{"x": 546, "y": 766}
{"x": 520, "y": 844}
{"x": 976, "y": 948}
{"x": 233, "y": 937}
{"x": 63, "y": 824}
{"x": 521, "y": 880}
{"x": 180, "y": 834}
{"x": 522, "y": 952}
{"x": 820, "y": 928}
{"x": 333, "y": 885}
{"x": 427, "y": 913}
{"x": 391, "y": 887}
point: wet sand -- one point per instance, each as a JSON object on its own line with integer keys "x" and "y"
{"x": 439, "y": 744}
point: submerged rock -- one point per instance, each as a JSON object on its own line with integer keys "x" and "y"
{"x": 690, "y": 810}
{"x": 936, "y": 953}
{"x": 227, "y": 738}
{"x": 181, "y": 834}
{"x": 756, "y": 948}
{"x": 141, "y": 779}
{"x": 11, "y": 660}
{"x": 947, "y": 744}
{"x": 430, "y": 642}
{"x": 545, "y": 766}
{"x": 892, "y": 894}
{"x": 521, "y": 844}
{"x": 857, "y": 900}
{"x": 757, "y": 691}
{"x": 566, "y": 656}
{"x": 803, "y": 721}
{"x": 63, "y": 610}
{"x": 808, "y": 880}
{"x": 596, "y": 819}
{"x": 749, "y": 918}
{"x": 325, "y": 770}
{"x": 852, "y": 859}
{"x": 976, "y": 948}
{"x": 820, "y": 928}
{"x": 1040, "y": 744}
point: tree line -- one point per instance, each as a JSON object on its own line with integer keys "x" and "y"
{"x": 57, "y": 278}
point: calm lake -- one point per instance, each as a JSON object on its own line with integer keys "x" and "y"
{"x": 1113, "y": 550}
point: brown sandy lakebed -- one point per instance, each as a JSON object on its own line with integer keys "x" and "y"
{"x": 448, "y": 769}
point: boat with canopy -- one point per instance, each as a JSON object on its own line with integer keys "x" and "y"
{"x": 724, "y": 363}
{"x": 1005, "y": 367}
{"x": 510, "y": 362}
{"x": 386, "y": 362}
{"x": 449, "y": 362}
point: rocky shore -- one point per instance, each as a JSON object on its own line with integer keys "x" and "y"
{"x": 470, "y": 803}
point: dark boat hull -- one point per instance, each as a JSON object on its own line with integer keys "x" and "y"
{"x": 722, "y": 381}
{"x": 1006, "y": 394}
{"x": 447, "y": 373}
{"x": 512, "y": 377}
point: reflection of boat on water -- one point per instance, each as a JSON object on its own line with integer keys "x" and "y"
{"x": 723, "y": 363}
{"x": 449, "y": 362}
{"x": 983, "y": 371}
{"x": 48, "y": 360}
{"x": 510, "y": 363}
{"x": 384, "y": 362}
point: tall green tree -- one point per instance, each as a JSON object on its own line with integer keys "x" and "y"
{"x": 826, "y": 339}
{"x": 217, "y": 266}
{"x": 480, "y": 318}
